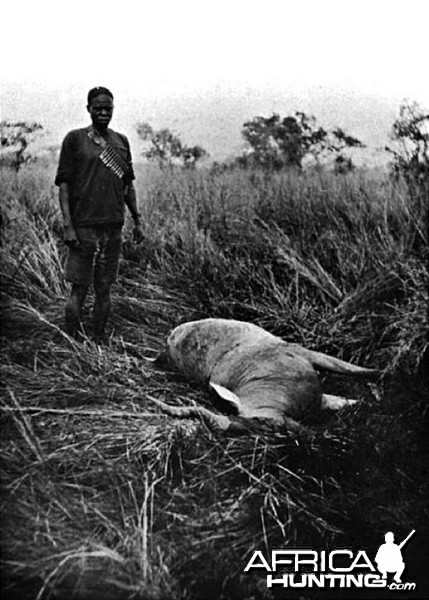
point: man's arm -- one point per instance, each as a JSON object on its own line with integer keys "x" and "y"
{"x": 70, "y": 237}
{"x": 130, "y": 199}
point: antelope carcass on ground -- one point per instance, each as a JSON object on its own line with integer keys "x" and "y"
{"x": 265, "y": 378}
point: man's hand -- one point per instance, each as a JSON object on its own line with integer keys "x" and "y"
{"x": 138, "y": 235}
{"x": 131, "y": 202}
{"x": 70, "y": 237}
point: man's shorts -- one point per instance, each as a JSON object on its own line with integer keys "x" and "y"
{"x": 97, "y": 256}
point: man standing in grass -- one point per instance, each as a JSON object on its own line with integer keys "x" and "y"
{"x": 95, "y": 176}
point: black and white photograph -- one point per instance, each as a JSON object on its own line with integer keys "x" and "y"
{"x": 214, "y": 281}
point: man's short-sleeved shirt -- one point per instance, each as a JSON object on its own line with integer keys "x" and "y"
{"x": 96, "y": 192}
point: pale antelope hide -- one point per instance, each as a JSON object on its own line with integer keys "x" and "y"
{"x": 262, "y": 376}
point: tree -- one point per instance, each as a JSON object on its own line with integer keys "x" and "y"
{"x": 276, "y": 143}
{"x": 410, "y": 132}
{"x": 343, "y": 164}
{"x": 15, "y": 138}
{"x": 167, "y": 147}
{"x": 191, "y": 155}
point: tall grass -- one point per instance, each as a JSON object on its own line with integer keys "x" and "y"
{"x": 290, "y": 252}
{"x": 105, "y": 498}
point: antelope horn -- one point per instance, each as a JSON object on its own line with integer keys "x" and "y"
{"x": 215, "y": 422}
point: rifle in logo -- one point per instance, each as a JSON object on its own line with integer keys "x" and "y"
{"x": 389, "y": 557}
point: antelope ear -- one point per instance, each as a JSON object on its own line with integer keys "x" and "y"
{"x": 227, "y": 395}
{"x": 161, "y": 360}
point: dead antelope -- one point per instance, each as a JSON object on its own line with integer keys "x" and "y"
{"x": 262, "y": 376}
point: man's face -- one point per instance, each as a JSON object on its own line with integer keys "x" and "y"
{"x": 101, "y": 111}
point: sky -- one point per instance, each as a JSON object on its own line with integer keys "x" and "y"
{"x": 203, "y": 67}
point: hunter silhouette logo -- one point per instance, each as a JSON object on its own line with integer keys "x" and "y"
{"x": 340, "y": 568}
{"x": 389, "y": 556}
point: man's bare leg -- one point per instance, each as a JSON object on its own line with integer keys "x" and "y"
{"x": 102, "y": 308}
{"x": 73, "y": 313}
